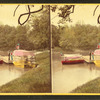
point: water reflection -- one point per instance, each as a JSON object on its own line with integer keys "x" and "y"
{"x": 9, "y": 72}
{"x": 68, "y": 77}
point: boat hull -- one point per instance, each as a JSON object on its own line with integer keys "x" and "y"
{"x": 21, "y": 64}
{"x": 97, "y": 63}
{"x": 1, "y": 61}
{"x": 72, "y": 61}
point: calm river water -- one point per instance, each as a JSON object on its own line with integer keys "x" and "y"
{"x": 8, "y": 72}
{"x": 65, "y": 78}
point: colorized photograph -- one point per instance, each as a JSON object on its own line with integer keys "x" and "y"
{"x": 76, "y": 48}
{"x": 25, "y": 49}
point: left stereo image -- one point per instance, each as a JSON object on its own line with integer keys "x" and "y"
{"x": 25, "y": 49}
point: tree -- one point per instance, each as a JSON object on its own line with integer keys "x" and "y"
{"x": 67, "y": 40}
{"x": 55, "y": 35}
{"x": 39, "y": 34}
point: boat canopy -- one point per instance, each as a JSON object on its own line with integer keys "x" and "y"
{"x": 97, "y": 52}
{"x": 23, "y": 53}
{"x": 72, "y": 55}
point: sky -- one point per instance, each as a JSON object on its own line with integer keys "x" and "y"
{"x": 82, "y": 14}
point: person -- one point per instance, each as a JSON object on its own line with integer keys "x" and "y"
{"x": 9, "y": 55}
{"x": 92, "y": 56}
{"x": 17, "y": 47}
{"x": 26, "y": 62}
{"x": 98, "y": 46}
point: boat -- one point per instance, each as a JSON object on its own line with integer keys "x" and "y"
{"x": 97, "y": 57}
{"x": 72, "y": 59}
{"x": 97, "y": 63}
{"x": 24, "y": 59}
{"x": 1, "y": 61}
{"x": 22, "y": 64}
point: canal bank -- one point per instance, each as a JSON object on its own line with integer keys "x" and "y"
{"x": 89, "y": 87}
{"x": 36, "y": 80}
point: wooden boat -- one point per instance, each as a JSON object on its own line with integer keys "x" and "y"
{"x": 22, "y": 64}
{"x": 97, "y": 63}
{"x": 21, "y": 59}
{"x": 97, "y": 57}
{"x": 72, "y": 59}
{"x": 1, "y": 61}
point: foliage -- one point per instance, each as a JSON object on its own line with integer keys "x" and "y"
{"x": 90, "y": 87}
{"x": 80, "y": 36}
{"x": 10, "y": 36}
{"x": 67, "y": 39}
{"x": 39, "y": 34}
{"x": 55, "y": 35}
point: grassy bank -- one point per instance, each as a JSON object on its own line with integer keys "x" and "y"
{"x": 90, "y": 87}
{"x": 36, "y": 80}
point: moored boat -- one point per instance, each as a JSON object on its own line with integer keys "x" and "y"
{"x": 72, "y": 59}
{"x": 22, "y": 64}
{"x": 97, "y": 57}
{"x": 97, "y": 63}
{"x": 22, "y": 60}
{"x": 1, "y": 61}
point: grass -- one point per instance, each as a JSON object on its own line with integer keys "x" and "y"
{"x": 90, "y": 87}
{"x": 36, "y": 80}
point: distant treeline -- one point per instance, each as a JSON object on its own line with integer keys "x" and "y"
{"x": 79, "y": 36}
{"x": 35, "y": 35}
{"x": 11, "y": 36}
{"x": 69, "y": 38}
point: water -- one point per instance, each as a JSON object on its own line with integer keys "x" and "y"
{"x": 65, "y": 78}
{"x": 9, "y": 72}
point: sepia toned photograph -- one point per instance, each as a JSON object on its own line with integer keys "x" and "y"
{"x": 76, "y": 49}
{"x": 49, "y": 48}
{"x": 24, "y": 49}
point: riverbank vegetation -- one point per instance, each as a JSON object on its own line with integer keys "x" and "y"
{"x": 80, "y": 36}
{"x": 36, "y": 80}
{"x": 90, "y": 87}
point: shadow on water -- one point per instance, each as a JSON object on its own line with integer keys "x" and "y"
{"x": 68, "y": 77}
{"x": 9, "y": 72}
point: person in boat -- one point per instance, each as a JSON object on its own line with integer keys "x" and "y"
{"x": 98, "y": 46}
{"x": 32, "y": 60}
{"x": 26, "y": 62}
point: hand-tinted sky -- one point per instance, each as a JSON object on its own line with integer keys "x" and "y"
{"x": 82, "y": 14}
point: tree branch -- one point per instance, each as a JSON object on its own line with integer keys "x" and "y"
{"x": 23, "y": 15}
{"x": 16, "y": 9}
{"x": 95, "y": 10}
{"x": 29, "y": 13}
